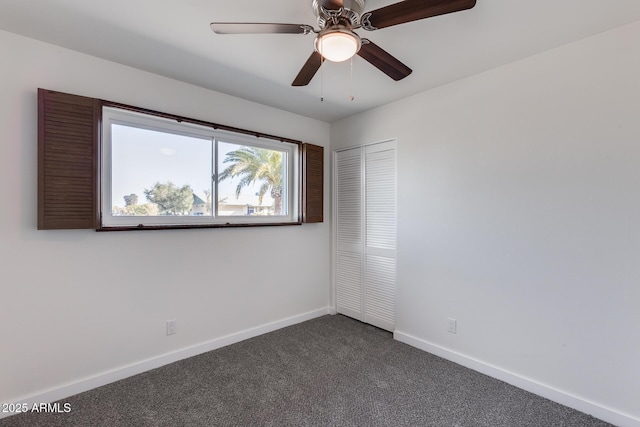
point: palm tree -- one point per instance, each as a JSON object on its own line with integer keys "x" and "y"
{"x": 260, "y": 165}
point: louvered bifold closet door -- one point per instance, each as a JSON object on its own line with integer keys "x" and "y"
{"x": 380, "y": 235}
{"x": 349, "y": 233}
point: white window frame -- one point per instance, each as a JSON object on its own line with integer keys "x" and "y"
{"x": 291, "y": 190}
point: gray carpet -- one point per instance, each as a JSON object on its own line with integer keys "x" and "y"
{"x": 330, "y": 371}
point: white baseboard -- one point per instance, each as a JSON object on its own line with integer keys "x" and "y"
{"x": 70, "y": 389}
{"x": 583, "y": 405}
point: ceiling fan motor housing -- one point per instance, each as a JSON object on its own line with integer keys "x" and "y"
{"x": 328, "y": 14}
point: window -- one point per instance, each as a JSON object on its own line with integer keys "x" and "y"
{"x": 109, "y": 166}
{"x": 160, "y": 172}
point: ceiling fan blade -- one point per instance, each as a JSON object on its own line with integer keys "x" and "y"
{"x": 259, "y": 28}
{"x": 309, "y": 69}
{"x": 383, "y": 61}
{"x": 412, "y": 10}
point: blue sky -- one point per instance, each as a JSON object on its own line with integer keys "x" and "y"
{"x": 161, "y": 157}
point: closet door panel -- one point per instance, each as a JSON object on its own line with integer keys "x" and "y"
{"x": 349, "y": 233}
{"x": 380, "y": 235}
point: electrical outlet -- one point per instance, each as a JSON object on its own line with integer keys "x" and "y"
{"x": 171, "y": 327}
{"x": 453, "y": 325}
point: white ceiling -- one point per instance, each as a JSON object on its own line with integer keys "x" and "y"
{"x": 173, "y": 38}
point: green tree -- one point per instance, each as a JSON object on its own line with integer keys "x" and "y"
{"x": 259, "y": 165}
{"x": 131, "y": 200}
{"x": 171, "y": 199}
{"x": 148, "y": 209}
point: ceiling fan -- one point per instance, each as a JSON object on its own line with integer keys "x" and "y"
{"x": 336, "y": 39}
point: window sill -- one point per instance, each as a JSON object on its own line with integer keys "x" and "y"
{"x": 188, "y": 226}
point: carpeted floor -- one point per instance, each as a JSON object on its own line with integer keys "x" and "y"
{"x": 330, "y": 371}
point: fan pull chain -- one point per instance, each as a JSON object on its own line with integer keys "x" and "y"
{"x": 351, "y": 97}
{"x": 321, "y": 72}
{"x": 321, "y": 80}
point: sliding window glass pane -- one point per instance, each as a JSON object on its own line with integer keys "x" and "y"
{"x": 251, "y": 181}
{"x": 159, "y": 174}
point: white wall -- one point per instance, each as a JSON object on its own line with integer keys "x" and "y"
{"x": 78, "y": 304}
{"x": 519, "y": 215}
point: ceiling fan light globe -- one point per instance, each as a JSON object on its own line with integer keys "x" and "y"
{"x": 338, "y": 45}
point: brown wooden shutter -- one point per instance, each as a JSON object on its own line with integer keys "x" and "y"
{"x": 68, "y": 184}
{"x": 312, "y": 183}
